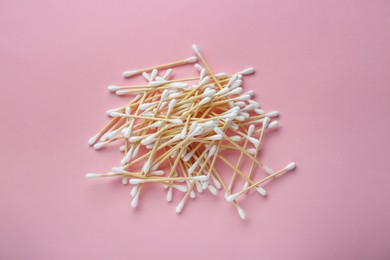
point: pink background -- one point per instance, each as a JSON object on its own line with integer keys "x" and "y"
{"x": 323, "y": 64}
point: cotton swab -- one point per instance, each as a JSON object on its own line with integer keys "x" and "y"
{"x": 131, "y": 73}
{"x": 174, "y": 133}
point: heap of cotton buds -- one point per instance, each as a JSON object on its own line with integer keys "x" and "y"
{"x": 174, "y": 133}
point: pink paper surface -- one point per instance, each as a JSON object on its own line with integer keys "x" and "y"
{"x": 323, "y": 64}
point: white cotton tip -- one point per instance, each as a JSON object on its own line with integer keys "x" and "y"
{"x": 122, "y": 148}
{"x": 128, "y": 110}
{"x": 216, "y": 182}
{"x": 268, "y": 170}
{"x": 148, "y": 114}
{"x": 188, "y": 156}
{"x": 127, "y": 157}
{"x": 129, "y": 73}
{"x": 169, "y": 194}
{"x": 180, "y": 206}
{"x": 192, "y": 168}
{"x": 124, "y": 180}
{"x": 112, "y": 88}
{"x": 134, "y": 202}
{"x": 254, "y": 141}
{"x": 235, "y": 138}
{"x": 176, "y": 121}
{"x": 146, "y": 76}
{"x": 241, "y": 212}
{"x": 272, "y": 114}
{"x": 192, "y": 194}
{"x": 232, "y": 80}
{"x": 197, "y": 131}
{"x": 246, "y": 185}
{"x": 153, "y": 74}
{"x": 133, "y": 139}
{"x": 212, "y": 151}
{"x": 251, "y": 130}
{"x": 228, "y": 115}
{"x": 261, "y": 191}
{"x": 249, "y": 107}
{"x": 174, "y": 95}
{"x": 158, "y": 172}
{"x": 244, "y": 97}
{"x": 265, "y": 123}
{"x": 156, "y": 83}
{"x": 155, "y": 167}
{"x": 146, "y": 167}
{"x": 183, "y": 132}
{"x": 210, "y": 93}
{"x": 156, "y": 124}
{"x": 251, "y": 151}
{"x": 245, "y": 114}
{"x": 259, "y": 111}
{"x": 121, "y": 92}
{"x": 210, "y": 123}
{"x": 240, "y": 103}
{"x": 240, "y": 118}
{"x": 215, "y": 137}
{"x": 167, "y": 74}
{"x": 149, "y": 146}
{"x": 133, "y": 190}
{"x": 213, "y": 190}
{"x": 97, "y": 146}
{"x": 273, "y": 124}
{"x": 171, "y": 105}
{"x": 149, "y": 139}
{"x": 204, "y": 81}
{"x": 193, "y": 126}
{"x": 223, "y": 91}
{"x": 116, "y": 114}
{"x": 164, "y": 95}
{"x": 201, "y": 178}
{"x": 239, "y": 76}
{"x": 136, "y": 181}
{"x": 191, "y": 59}
{"x": 92, "y": 175}
{"x": 179, "y": 85}
{"x": 93, "y": 139}
{"x": 248, "y": 71}
{"x": 236, "y": 91}
{"x": 110, "y": 135}
{"x": 198, "y": 187}
{"x": 218, "y": 131}
{"x": 181, "y": 188}
{"x": 234, "y": 126}
{"x": 204, "y": 101}
{"x": 196, "y": 50}
{"x": 236, "y": 84}
{"x": 250, "y": 93}
{"x": 221, "y": 75}
{"x": 232, "y": 197}
{"x": 175, "y": 138}
{"x": 127, "y": 132}
{"x": 202, "y": 73}
{"x": 290, "y": 166}
{"x": 198, "y": 67}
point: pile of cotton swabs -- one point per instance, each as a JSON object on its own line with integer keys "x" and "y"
{"x": 175, "y": 133}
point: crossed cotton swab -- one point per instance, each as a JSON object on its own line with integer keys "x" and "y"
{"x": 131, "y": 73}
{"x": 186, "y": 125}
